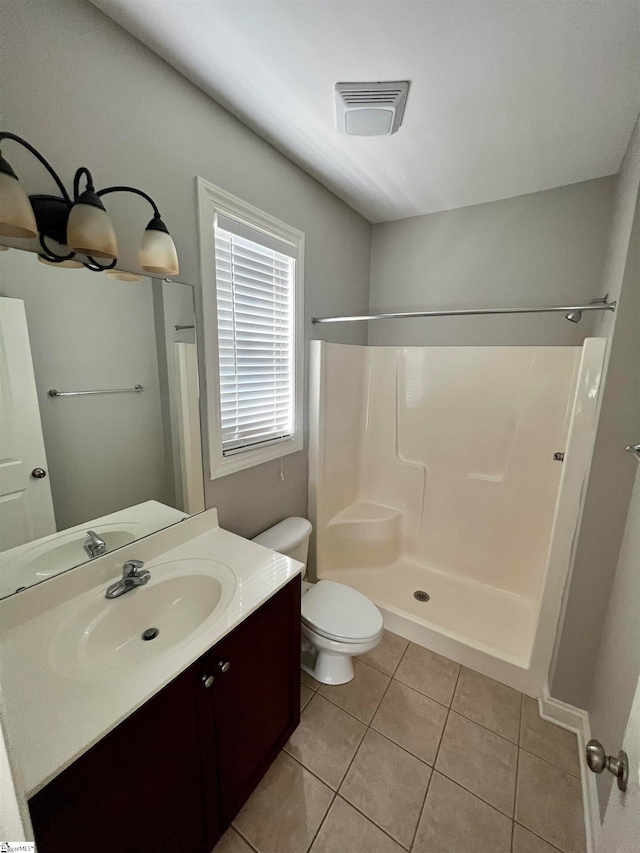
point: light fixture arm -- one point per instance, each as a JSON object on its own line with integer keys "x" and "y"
{"x": 6, "y": 135}
{"x": 135, "y": 190}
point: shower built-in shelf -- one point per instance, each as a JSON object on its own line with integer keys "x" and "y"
{"x": 367, "y": 532}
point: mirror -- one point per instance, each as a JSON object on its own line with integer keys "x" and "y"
{"x": 99, "y": 414}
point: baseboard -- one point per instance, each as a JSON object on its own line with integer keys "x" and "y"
{"x": 577, "y": 720}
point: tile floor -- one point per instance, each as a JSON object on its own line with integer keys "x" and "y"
{"x": 420, "y": 754}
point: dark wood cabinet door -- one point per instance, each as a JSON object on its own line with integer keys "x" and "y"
{"x": 140, "y": 789}
{"x": 257, "y": 699}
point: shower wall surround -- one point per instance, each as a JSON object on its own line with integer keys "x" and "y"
{"x": 433, "y": 469}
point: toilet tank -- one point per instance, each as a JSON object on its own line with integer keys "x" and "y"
{"x": 290, "y": 537}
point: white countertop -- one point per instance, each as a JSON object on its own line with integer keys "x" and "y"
{"x": 53, "y": 714}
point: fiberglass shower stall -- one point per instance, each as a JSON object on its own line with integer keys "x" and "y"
{"x": 445, "y": 485}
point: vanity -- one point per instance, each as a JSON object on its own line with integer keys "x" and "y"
{"x": 140, "y": 745}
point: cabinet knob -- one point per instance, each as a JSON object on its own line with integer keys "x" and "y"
{"x": 207, "y": 680}
{"x": 224, "y": 665}
{"x": 38, "y": 473}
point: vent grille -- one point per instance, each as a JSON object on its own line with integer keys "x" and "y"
{"x": 371, "y": 96}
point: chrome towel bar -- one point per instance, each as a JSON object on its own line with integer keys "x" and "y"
{"x": 635, "y": 450}
{"x": 55, "y": 393}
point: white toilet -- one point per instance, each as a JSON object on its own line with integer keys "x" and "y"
{"x": 337, "y": 622}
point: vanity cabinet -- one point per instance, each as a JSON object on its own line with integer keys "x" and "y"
{"x": 175, "y": 773}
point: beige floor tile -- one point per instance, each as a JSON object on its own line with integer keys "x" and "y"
{"x": 386, "y": 655}
{"x": 483, "y": 700}
{"x": 326, "y": 740}
{"x": 345, "y": 830}
{"x": 549, "y": 803}
{"x": 411, "y": 720}
{"x": 526, "y": 842}
{"x": 305, "y": 695}
{"x": 309, "y": 680}
{"x": 547, "y": 741}
{"x": 388, "y": 785}
{"x": 480, "y": 761}
{"x": 362, "y": 695}
{"x": 231, "y": 842}
{"x": 429, "y": 673}
{"x": 285, "y": 811}
{"x": 454, "y": 821}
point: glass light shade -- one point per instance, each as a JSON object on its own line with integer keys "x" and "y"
{"x": 66, "y": 265}
{"x": 90, "y": 232}
{"x": 16, "y": 213}
{"x": 121, "y": 275}
{"x": 158, "y": 253}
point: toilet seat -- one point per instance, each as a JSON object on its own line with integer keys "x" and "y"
{"x": 339, "y": 613}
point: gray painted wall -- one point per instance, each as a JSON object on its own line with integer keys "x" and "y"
{"x": 104, "y": 453}
{"x": 612, "y": 470}
{"x": 545, "y": 248}
{"x": 85, "y": 92}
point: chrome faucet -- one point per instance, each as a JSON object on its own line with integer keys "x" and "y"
{"x": 131, "y": 578}
{"x": 94, "y": 545}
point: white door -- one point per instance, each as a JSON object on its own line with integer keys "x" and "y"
{"x": 621, "y": 825}
{"x": 26, "y": 507}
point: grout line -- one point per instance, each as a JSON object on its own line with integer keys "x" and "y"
{"x": 253, "y": 847}
{"x": 476, "y": 795}
{"x": 515, "y": 787}
{"x": 426, "y": 793}
{"x": 317, "y": 832}
{"x": 551, "y": 764}
{"x": 370, "y": 819}
{"x": 535, "y": 834}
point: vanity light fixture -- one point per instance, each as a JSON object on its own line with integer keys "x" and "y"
{"x": 121, "y": 275}
{"x": 80, "y": 223}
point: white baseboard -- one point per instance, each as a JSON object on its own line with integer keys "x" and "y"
{"x": 577, "y": 720}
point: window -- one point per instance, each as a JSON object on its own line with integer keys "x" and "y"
{"x": 252, "y": 297}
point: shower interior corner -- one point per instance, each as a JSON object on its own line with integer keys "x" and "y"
{"x": 435, "y": 492}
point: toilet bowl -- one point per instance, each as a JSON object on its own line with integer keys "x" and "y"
{"x": 337, "y": 622}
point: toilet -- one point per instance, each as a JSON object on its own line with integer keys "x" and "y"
{"x": 338, "y": 622}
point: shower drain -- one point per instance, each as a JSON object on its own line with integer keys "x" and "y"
{"x": 421, "y": 595}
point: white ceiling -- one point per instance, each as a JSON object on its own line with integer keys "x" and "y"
{"x": 506, "y": 97}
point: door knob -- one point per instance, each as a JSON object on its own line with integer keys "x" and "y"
{"x": 598, "y": 760}
{"x": 207, "y": 680}
{"x": 224, "y": 665}
{"x": 38, "y": 473}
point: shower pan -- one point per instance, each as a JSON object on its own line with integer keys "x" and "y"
{"x": 445, "y": 484}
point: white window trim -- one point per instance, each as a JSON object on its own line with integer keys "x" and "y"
{"x": 213, "y": 200}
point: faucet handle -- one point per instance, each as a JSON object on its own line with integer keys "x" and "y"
{"x": 131, "y": 567}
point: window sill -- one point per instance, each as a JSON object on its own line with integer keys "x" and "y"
{"x": 223, "y": 465}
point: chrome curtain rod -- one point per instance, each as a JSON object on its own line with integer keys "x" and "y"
{"x": 572, "y": 312}
{"x": 55, "y": 393}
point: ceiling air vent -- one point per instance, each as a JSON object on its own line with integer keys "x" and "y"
{"x": 370, "y": 109}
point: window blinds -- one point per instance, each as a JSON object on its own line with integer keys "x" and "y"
{"x": 255, "y": 277}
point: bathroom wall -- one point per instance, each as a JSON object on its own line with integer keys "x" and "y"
{"x": 612, "y": 473}
{"x": 545, "y": 248}
{"x": 118, "y": 108}
{"x": 103, "y": 452}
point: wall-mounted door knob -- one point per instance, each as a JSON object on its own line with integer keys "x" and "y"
{"x": 207, "y": 680}
{"x": 38, "y": 473}
{"x": 598, "y": 760}
{"x": 224, "y": 665}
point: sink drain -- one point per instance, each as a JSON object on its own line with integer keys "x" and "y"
{"x": 421, "y": 595}
{"x": 150, "y": 634}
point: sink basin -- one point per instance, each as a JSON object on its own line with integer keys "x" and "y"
{"x": 180, "y": 599}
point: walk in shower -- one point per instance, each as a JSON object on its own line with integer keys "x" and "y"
{"x": 445, "y": 485}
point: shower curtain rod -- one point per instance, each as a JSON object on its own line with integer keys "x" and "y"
{"x": 572, "y": 312}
